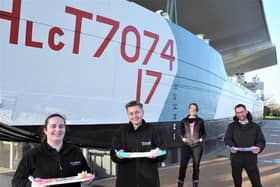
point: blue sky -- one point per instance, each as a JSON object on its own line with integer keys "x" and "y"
{"x": 271, "y": 75}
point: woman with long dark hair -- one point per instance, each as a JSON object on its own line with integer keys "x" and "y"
{"x": 193, "y": 134}
{"x": 54, "y": 158}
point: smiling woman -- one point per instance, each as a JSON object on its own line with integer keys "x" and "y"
{"x": 54, "y": 130}
{"x": 54, "y": 158}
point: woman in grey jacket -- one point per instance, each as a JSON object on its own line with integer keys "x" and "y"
{"x": 193, "y": 133}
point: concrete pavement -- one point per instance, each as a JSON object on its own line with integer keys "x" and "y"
{"x": 215, "y": 169}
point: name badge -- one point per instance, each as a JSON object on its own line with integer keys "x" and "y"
{"x": 146, "y": 143}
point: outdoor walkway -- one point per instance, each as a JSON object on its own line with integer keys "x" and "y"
{"x": 215, "y": 170}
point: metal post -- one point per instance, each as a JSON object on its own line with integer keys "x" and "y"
{"x": 11, "y": 156}
{"x": 171, "y": 9}
{"x": 175, "y": 8}
{"x": 168, "y": 8}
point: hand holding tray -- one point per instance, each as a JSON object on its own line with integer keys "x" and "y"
{"x": 64, "y": 180}
{"x": 243, "y": 149}
{"x": 153, "y": 153}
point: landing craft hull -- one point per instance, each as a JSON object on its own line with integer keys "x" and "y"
{"x": 87, "y": 59}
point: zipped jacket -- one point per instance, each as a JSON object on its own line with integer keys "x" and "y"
{"x": 199, "y": 131}
{"x": 247, "y": 135}
{"x": 137, "y": 172}
{"x": 45, "y": 162}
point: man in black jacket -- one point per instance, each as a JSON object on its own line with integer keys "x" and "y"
{"x": 244, "y": 133}
{"x": 137, "y": 136}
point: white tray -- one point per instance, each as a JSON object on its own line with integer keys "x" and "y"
{"x": 64, "y": 180}
{"x": 141, "y": 154}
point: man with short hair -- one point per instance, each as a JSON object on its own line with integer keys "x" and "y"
{"x": 244, "y": 133}
{"x": 137, "y": 136}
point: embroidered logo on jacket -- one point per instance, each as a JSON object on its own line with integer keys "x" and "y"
{"x": 75, "y": 163}
{"x": 146, "y": 143}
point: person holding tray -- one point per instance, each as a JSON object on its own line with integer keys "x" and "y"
{"x": 137, "y": 137}
{"x": 54, "y": 158}
{"x": 193, "y": 134}
{"x": 245, "y": 141}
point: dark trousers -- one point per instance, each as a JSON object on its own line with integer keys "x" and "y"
{"x": 246, "y": 161}
{"x": 188, "y": 152}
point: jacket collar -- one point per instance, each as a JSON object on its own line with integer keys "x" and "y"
{"x": 49, "y": 148}
{"x": 196, "y": 117}
{"x": 142, "y": 126}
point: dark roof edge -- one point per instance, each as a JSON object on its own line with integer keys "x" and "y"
{"x": 265, "y": 20}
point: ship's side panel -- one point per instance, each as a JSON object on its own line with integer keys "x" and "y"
{"x": 201, "y": 78}
{"x": 85, "y": 60}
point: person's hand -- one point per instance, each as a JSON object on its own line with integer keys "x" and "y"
{"x": 256, "y": 150}
{"x": 154, "y": 152}
{"x": 121, "y": 150}
{"x": 232, "y": 150}
{"x": 37, "y": 185}
{"x": 88, "y": 182}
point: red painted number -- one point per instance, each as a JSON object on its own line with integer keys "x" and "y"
{"x": 115, "y": 25}
{"x": 130, "y": 59}
{"x": 168, "y": 56}
{"x": 155, "y": 74}
{"x": 155, "y": 37}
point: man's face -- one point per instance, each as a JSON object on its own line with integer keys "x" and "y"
{"x": 241, "y": 113}
{"x": 135, "y": 115}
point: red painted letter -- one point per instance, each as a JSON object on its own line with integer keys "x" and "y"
{"x": 53, "y": 31}
{"x": 79, "y": 16}
{"x": 14, "y": 17}
{"x": 28, "y": 36}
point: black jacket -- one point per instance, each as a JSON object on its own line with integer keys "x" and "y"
{"x": 137, "y": 172}
{"x": 199, "y": 131}
{"x": 248, "y": 135}
{"x": 46, "y": 162}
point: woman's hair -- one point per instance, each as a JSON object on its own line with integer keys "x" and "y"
{"x": 194, "y": 104}
{"x": 43, "y": 136}
{"x": 54, "y": 115}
